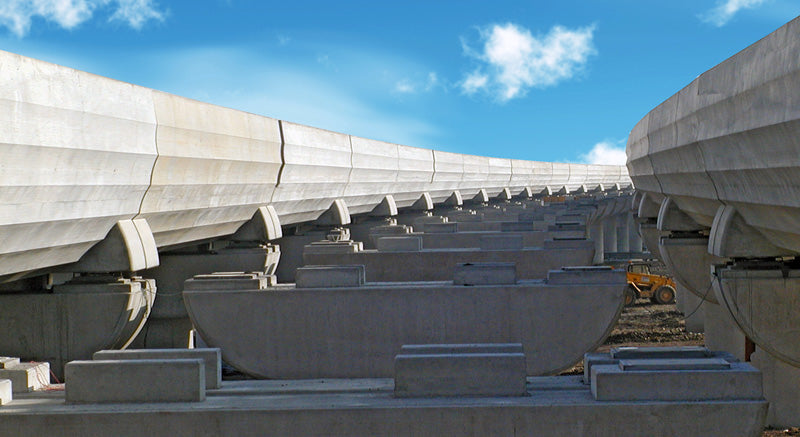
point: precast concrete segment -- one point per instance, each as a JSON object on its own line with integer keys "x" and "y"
{"x": 287, "y": 332}
{"x": 211, "y": 358}
{"x": 195, "y": 171}
{"x": 215, "y": 168}
{"x": 556, "y": 406}
{"x": 78, "y": 154}
{"x": 439, "y": 264}
{"x": 705, "y": 146}
{"x": 135, "y": 381}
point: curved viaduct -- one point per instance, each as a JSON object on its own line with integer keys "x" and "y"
{"x": 716, "y": 169}
{"x": 82, "y": 154}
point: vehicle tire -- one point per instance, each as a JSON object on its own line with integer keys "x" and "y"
{"x": 630, "y": 296}
{"x": 665, "y": 294}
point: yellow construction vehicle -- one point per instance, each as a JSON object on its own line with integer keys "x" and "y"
{"x": 642, "y": 283}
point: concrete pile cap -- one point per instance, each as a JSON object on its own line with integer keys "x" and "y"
{"x": 399, "y": 244}
{"x": 634, "y": 352}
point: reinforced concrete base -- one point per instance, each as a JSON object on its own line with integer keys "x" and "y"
{"x": 781, "y": 382}
{"x": 554, "y": 406}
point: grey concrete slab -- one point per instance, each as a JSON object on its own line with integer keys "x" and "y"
{"x": 611, "y": 383}
{"x": 399, "y": 244}
{"x": 459, "y": 374}
{"x": 557, "y": 406}
{"x": 135, "y": 381}
{"x": 211, "y": 359}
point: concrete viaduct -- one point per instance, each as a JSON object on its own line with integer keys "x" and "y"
{"x": 718, "y": 199}
{"x": 111, "y": 191}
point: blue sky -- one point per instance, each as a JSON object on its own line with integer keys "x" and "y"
{"x": 548, "y": 81}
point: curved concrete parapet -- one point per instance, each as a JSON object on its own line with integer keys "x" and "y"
{"x": 82, "y": 153}
{"x": 731, "y": 137}
{"x": 355, "y": 331}
{"x": 77, "y": 157}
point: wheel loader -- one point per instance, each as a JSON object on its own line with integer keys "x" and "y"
{"x": 642, "y": 283}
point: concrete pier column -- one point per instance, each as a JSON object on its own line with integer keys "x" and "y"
{"x": 596, "y": 235}
{"x": 634, "y": 239}
{"x": 692, "y": 308}
{"x": 622, "y": 232}
{"x": 721, "y": 332}
{"x": 610, "y": 234}
{"x": 780, "y": 382}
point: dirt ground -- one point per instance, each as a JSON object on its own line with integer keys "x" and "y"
{"x": 648, "y": 324}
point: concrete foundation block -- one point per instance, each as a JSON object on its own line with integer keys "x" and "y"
{"x": 229, "y": 281}
{"x": 586, "y": 275}
{"x": 211, "y": 359}
{"x": 641, "y": 353}
{"x": 135, "y": 381}
{"x": 6, "y": 393}
{"x": 501, "y": 242}
{"x": 330, "y": 276}
{"x": 399, "y": 244}
{"x": 780, "y": 388}
{"x": 664, "y": 383}
{"x": 27, "y": 377}
{"x": 460, "y": 370}
{"x": 440, "y": 228}
{"x": 485, "y": 274}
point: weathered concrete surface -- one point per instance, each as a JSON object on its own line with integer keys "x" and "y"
{"x": 139, "y": 381}
{"x": 439, "y": 264}
{"x": 492, "y": 369}
{"x": 287, "y": 332}
{"x": 557, "y": 406}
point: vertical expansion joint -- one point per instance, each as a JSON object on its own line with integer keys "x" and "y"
{"x": 433, "y": 173}
{"x": 283, "y": 155}
{"x": 155, "y": 161}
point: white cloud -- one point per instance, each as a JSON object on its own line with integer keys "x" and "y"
{"x": 726, "y": 9}
{"x": 407, "y": 86}
{"x": 512, "y": 60}
{"x": 17, "y": 15}
{"x": 606, "y": 152}
{"x": 136, "y": 12}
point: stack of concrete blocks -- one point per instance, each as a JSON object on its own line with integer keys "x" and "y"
{"x": 143, "y": 376}
{"x": 631, "y": 374}
{"x": 23, "y": 377}
{"x": 333, "y": 323}
{"x": 460, "y": 370}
